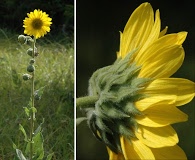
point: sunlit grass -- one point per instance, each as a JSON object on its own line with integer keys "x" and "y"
{"x": 54, "y": 70}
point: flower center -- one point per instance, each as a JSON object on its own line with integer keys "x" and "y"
{"x": 37, "y": 24}
{"x": 117, "y": 87}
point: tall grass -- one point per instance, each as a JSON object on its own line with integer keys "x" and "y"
{"x": 54, "y": 70}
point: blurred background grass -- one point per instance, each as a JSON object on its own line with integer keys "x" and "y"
{"x": 97, "y": 34}
{"x": 54, "y": 70}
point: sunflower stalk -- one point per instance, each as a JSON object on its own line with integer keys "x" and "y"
{"x": 32, "y": 116}
{"x": 34, "y": 148}
{"x": 87, "y": 101}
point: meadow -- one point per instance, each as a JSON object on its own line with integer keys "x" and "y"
{"x": 55, "y": 72}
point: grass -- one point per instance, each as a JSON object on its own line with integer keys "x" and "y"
{"x": 55, "y": 71}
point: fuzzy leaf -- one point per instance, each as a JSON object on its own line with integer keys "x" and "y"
{"x": 139, "y": 82}
{"x": 112, "y": 141}
{"x": 38, "y": 93}
{"x": 93, "y": 127}
{"x": 112, "y": 111}
{"x": 20, "y": 154}
{"x": 124, "y": 130}
{"x": 122, "y": 78}
{"x": 122, "y": 64}
{"x": 130, "y": 108}
{"x": 27, "y": 111}
{"x": 39, "y": 128}
{"x": 102, "y": 126}
{"x": 14, "y": 146}
{"x": 24, "y": 132}
{"x": 37, "y": 146}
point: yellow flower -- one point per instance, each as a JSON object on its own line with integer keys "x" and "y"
{"x": 159, "y": 56}
{"x": 37, "y": 23}
{"x": 137, "y": 99}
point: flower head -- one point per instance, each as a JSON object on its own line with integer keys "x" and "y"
{"x": 37, "y": 23}
{"x": 138, "y": 99}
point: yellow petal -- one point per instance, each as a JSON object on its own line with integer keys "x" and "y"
{"x": 152, "y": 37}
{"x": 166, "y": 153}
{"x": 135, "y": 150}
{"x": 181, "y": 37}
{"x": 162, "y": 58}
{"x": 161, "y": 115}
{"x": 161, "y": 62}
{"x": 163, "y": 42}
{"x": 137, "y": 29}
{"x": 114, "y": 156}
{"x": 163, "y": 32}
{"x": 148, "y": 102}
{"x": 157, "y": 137}
{"x": 184, "y": 89}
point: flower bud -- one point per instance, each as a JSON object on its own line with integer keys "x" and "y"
{"x": 22, "y": 39}
{"x": 32, "y": 61}
{"x": 30, "y": 52}
{"x": 26, "y": 76}
{"x": 30, "y": 68}
{"x": 29, "y": 39}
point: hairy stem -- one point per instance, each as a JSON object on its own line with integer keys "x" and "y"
{"x": 87, "y": 101}
{"x": 32, "y": 116}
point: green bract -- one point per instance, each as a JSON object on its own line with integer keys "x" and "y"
{"x": 117, "y": 87}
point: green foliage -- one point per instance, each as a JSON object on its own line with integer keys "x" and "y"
{"x": 37, "y": 146}
{"x": 54, "y": 71}
{"x": 20, "y": 154}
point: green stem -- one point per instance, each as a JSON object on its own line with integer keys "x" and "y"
{"x": 32, "y": 116}
{"x": 87, "y": 101}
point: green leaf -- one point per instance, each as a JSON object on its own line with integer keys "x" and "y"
{"x": 14, "y": 146}
{"x": 20, "y": 154}
{"x": 39, "y": 128}
{"x": 27, "y": 111}
{"x": 34, "y": 110}
{"x": 24, "y": 132}
{"x": 39, "y": 93}
{"x": 30, "y": 103}
{"x": 38, "y": 149}
{"x": 102, "y": 125}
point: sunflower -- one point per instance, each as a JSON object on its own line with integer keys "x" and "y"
{"x": 37, "y": 23}
{"x": 136, "y": 98}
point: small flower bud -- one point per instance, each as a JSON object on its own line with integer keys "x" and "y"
{"x": 22, "y": 39}
{"x": 29, "y": 39}
{"x": 32, "y": 61}
{"x": 26, "y": 77}
{"x": 30, "y": 68}
{"x": 30, "y": 52}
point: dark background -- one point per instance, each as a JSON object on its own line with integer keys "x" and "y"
{"x": 97, "y": 39}
{"x": 13, "y": 12}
